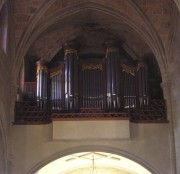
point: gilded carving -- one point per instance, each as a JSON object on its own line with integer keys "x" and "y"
{"x": 111, "y": 49}
{"x": 140, "y": 65}
{"x": 56, "y": 71}
{"x": 128, "y": 69}
{"x": 70, "y": 51}
{"x": 132, "y": 70}
{"x": 92, "y": 67}
{"x": 39, "y": 68}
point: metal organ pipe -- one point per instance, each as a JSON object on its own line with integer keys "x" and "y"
{"x": 53, "y": 89}
{"x": 60, "y": 89}
{"x": 71, "y": 76}
{"x": 142, "y": 84}
{"x": 42, "y": 76}
{"x": 88, "y": 87}
{"x": 57, "y": 93}
{"x": 84, "y": 91}
{"x": 66, "y": 84}
{"x": 57, "y": 98}
{"x": 112, "y": 56}
{"x": 113, "y": 73}
{"x": 54, "y": 92}
{"x": 128, "y": 88}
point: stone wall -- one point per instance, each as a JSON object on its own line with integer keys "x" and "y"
{"x": 32, "y": 146}
{"x": 149, "y": 145}
{"x": 175, "y": 91}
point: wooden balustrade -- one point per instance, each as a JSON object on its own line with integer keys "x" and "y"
{"x": 154, "y": 112}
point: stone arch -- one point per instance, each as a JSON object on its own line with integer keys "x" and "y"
{"x": 68, "y": 37}
{"x": 3, "y": 150}
{"x": 3, "y": 75}
{"x": 1, "y": 3}
{"x": 3, "y": 131}
{"x": 88, "y": 148}
{"x": 16, "y": 66}
{"x": 177, "y": 4}
{"x": 30, "y": 28}
{"x": 151, "y": 36}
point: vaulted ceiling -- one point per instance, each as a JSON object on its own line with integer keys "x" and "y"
{"x": 93, "y": 162}
{"x": 42, "y": 26}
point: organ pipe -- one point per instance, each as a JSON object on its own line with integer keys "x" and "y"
{"x": 128, "y": 90}
{"x": 142, "y": 84}
{"x": 92, "y": 89}
{"x": 112, "y": 74}
{"x": 71, "y": 76}
{"x": 42, "y": 83}
{"x": 56, "y": 88}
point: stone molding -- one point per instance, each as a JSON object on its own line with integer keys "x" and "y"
{"x": 93, "y": 148}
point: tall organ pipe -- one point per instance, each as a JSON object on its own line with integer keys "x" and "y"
{"x": 142, "y": 84}
{"x": 42, "y": 78}
{"x": 112, "y": 59}
{"x": 57, "y": 97}
{"x": 71, "y": 76}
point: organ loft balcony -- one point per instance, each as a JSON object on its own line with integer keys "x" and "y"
{"x": 77, "y": 86}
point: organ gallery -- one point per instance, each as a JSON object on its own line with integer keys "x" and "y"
{"x": 90, "y": 85}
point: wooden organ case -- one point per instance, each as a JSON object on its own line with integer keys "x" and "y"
{"x": 90, "y": 88}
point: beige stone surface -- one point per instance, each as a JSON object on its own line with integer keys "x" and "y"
{"x": 149, "y": 144}
{"x": 91, "y": 130}
{"x": 104, "y": 170}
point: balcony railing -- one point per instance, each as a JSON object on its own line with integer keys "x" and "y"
{"x": 28, "y": 112}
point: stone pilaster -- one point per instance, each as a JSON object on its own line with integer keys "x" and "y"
{"x": 166, "y": 86}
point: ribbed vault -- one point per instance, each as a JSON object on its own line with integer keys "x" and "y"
{"x": 137, "y": 22}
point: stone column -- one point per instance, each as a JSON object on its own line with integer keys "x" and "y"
{"x": 71, "y": 76}
{"x": 112, "y": 74}
{"x": 166, "y": 86}
{"x": 175, "y": 91}
{"x": 175, "y": 88}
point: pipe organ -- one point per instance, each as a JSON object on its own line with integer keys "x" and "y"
{"x": 79, "y": 83}
{"x": 89, "y": 82}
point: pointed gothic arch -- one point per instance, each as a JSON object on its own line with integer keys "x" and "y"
{"x": 94, "y": 148}
{"x": 151, "y": 37}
